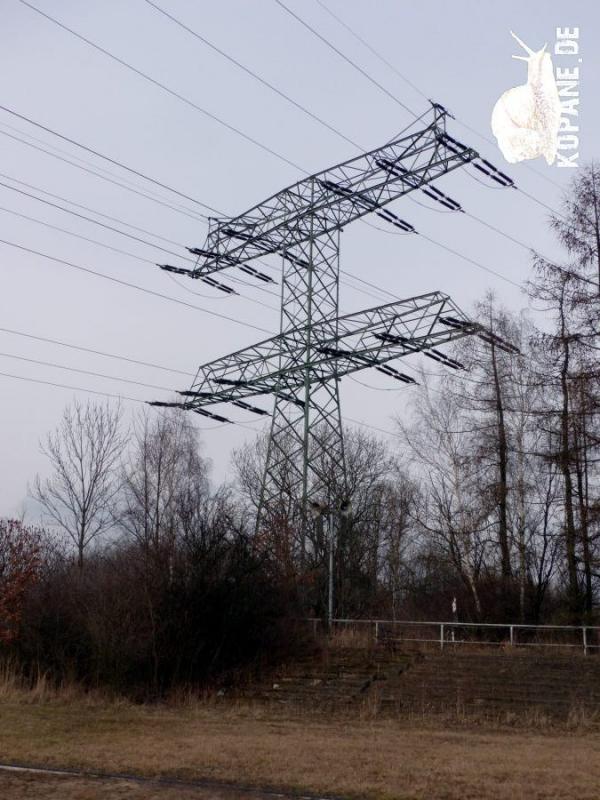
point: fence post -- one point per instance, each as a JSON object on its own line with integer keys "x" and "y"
{"x": 585, "y": 646}
{"x": 315, "y": 627}
{"x": 376, "y": 630}
{"x": 512, "y": 640}
{"x": 442, "y": 636}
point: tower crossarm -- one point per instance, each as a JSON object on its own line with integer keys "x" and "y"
{"x": 366, "y": 339}
{"x": 332, "y": 198}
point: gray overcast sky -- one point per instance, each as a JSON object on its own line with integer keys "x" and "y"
{"x": 457, "y": 53}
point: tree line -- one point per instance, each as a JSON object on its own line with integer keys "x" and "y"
{"x": 144, "y": 575}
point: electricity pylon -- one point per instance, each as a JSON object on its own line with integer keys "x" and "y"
{"x": 302, "y": 366}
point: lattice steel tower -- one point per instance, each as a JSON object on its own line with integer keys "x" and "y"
{"x": 302, "y": 366}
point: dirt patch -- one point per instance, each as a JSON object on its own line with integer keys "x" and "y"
{"x": 24, "y": 786}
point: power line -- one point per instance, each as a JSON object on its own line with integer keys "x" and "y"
{"x": 473, "y": 262}
{"x": 154, "y": 366}
{"x": 490, "y": 271}
{"x": 109, "y": 395}
{"x": 196, "y": 217}
{"x": 150, "y": 244}
{"x": 391, "y": 66}
{"x": 113, "y": 396}
{"x": 96, "y": 153}
{"x": 87, "y": 208}
{"x": 253, "y": 74}
{"x": 93, "y": 374}
{"x": 393, "y": 97}
{"x": 85, "y": 372}
{"x": 122, "y": 222}
{"x": 123, "y": 252}
{"x": 94, "y": 221}
{"x": 372, "y": 49}
{"x": 72, "y": 388}
{"x": 89, "y": 350}
{"x": 131, "y": 361}
{"x": 162, "y": 86}
{"x": 76, "y": 235}
{"x": 91, "y": 164}
{"x": 355, "y": 277}
{"x": 372, "y": 427}
{"x": 528, "y": 247}
{"x": 379, "y": 388}
{"x": 113, "y": 249}
{"x": 361, "y": 280}
{"x": 419, "y": 91}
{"x": 118, "y": 358}
{"x": 343, "y": 56}
{"x": 89, "y": 271}
{"x": 130, "y": 236}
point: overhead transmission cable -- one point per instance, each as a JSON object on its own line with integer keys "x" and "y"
{"x": 29, "y": 5}
{"x": 195, "y": 216}
{"x": 69, "y": 154}
{"x": 91, "y": 351}
{"x": 419, "y": 91}
{"x": 86, "y": 372}
{"x": 110, "y": 377}
{"x": 233, "y": 278}
{"x": 103, "y": 156}
{"x": 389, "y": 94}
{"x": 305, "y": 110}
{"x": 114, "y": 161}
{"x": 250, "y": 72}
{"x": 91, "y": 210}
{"x": 116, "y": 249}
{"x": 241, "y": 66}
{"x": 138, "y": 173}
{"x": 114, "y": 396}
{"x": 162, "y": 86}
{"x": 126, "y": 253}
{"x": 403, "y": 77}
{"x": 89, "y": 271}
{"x": 344, "y": 57}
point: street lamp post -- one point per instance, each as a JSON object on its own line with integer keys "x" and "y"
{"x": 319, "y": 510}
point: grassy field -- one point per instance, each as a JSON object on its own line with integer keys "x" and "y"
{"x": 360, "y": 757}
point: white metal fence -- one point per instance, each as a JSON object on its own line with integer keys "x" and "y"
{"x": 444, "y": 634}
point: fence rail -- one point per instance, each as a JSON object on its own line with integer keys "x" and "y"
{"x": 581, "y": 637}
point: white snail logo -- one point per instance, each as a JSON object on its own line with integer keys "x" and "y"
{"x": 526, "y": 119}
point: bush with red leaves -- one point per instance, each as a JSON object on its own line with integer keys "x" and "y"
{"x": 20, "y": 562}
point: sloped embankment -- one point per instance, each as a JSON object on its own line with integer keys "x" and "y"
{"x": 397, "y": 682}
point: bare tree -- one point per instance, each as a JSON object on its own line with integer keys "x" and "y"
{"x": 164, "y": 481}
{"x": 455, "y": 507}
{"x": 83, "y": 452}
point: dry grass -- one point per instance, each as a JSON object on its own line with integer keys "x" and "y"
{"x": 254, "y": 745}
{"x": 40, "y": 688}
{"x": 359, "y": 637}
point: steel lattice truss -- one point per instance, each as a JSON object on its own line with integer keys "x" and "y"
{"x": 302, "y": 366}
{"x": 329, "y": 200}
{"x": 364, "y": 339}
